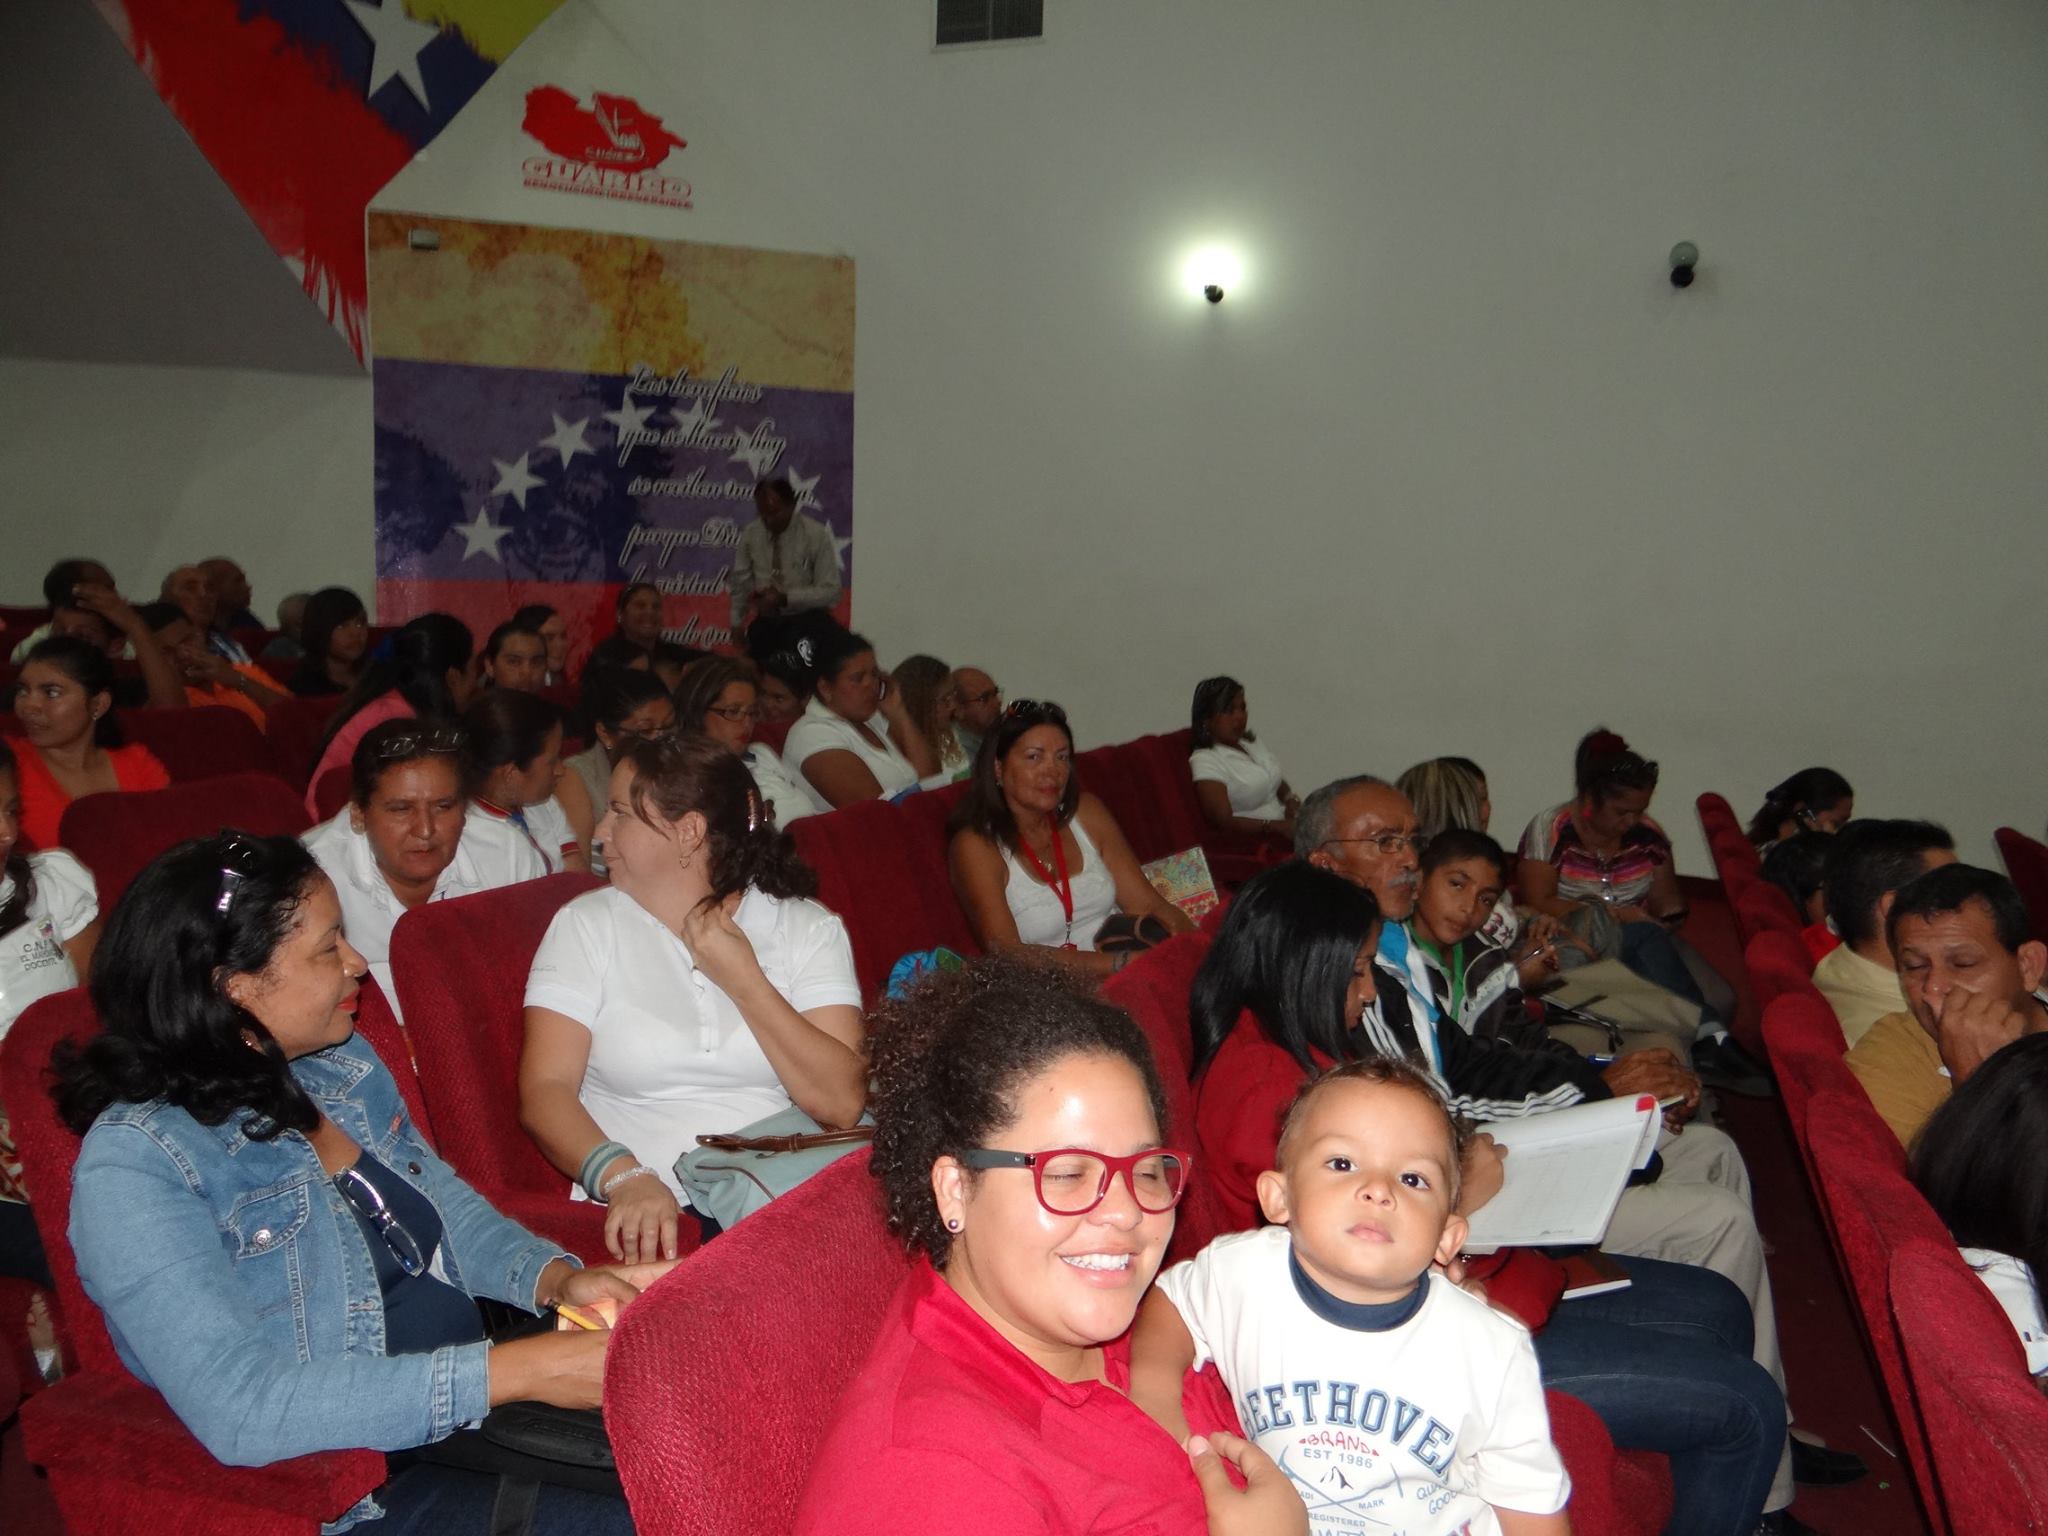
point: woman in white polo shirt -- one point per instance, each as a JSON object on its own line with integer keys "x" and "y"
{"x": 1237, "y": 779}
{"x": 409, "y": 836}
{"x": 512, "y": 753}
{"x": 701, "y": 991}
{"x": 855, "y": 740}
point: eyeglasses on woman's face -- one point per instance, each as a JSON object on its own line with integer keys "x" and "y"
{"x": 734, "y": 713}
{"x": 1072, "y": 1181}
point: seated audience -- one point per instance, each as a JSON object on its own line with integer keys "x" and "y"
{"x": 334, "y": 639}
{"x": 1369, "y": 1144}
{"x": 856, "y": 740}
{"x": 632, "y": 642}
{"x": 1797, "y": 866}
{"x": 49, "y": 923}
{"x": 286, "y": 645}
{"x": 929, "y": 695}
{"x": 719, "y": 697}
{"x": 516, "y": 657}
{"x": 979, "y": 705}
{"x": 1290, "y": 988}
{"x": 427, "y": 667}
{"x": 995, "y": 1397}
{"x": 1980, "y": 1162}
{"x": 187, "y": 587}
{"x": 512, "y": 759}
{"x": 1447, "y": 792}
{"x": 211, "y": 680}
{"x": 105, "y": 619}
{"x": 787, "y": 683}
{"x": 1040, "y": 865}
{"x": 409, "y": 836}
{"x": 1971, "y": 974}
{"x": 1865, "y": 866}
{"x": 1602, "y": 850}
{"x": 64, "y": 699}
{"x": 229, "y": 586}
{"x": 1477, "y": 983}
{"x": 701, "y": 991}
{"x": 785, "y": 573}
{"x": 1812, "y": 800}
{"x": 623, "y": 705}
{"x": 1237, "y": 779}
{"x": 239, "y": 1142}
{"x": 60, "y": 581}
{"x": 554, "y": 629}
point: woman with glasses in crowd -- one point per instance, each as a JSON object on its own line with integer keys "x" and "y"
{"x": 856, "y": 740}
{"x": 409, "y": 836}
{"x": 623, "y": 705}
{"x": 720, "y": 695}
{"x": 699, "y": 992}
{"x": 1038, "y": 864}
{"x": 274, "y": 1245}
{"x": 1019, "y": 1145}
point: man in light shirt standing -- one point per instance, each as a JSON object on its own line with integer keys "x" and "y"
{"x": 786, "y": 570}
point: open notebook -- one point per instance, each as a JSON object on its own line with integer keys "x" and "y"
{"x": 1564, "y": 1172}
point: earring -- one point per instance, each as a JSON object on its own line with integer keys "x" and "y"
{"x": 952, "y": 1223}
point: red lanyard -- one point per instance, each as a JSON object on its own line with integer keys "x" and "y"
{"x": 1061, "y": 887}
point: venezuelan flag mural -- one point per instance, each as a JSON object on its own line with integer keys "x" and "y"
{"x": 307, "y": 107}
{"x": 561, "y": 412}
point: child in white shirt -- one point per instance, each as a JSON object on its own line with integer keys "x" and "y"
{"x": 1398, "y": 1404}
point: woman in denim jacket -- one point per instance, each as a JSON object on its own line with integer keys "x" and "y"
{"x": 276, "y": 1248}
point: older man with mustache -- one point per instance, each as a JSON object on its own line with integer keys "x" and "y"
{"x": 1696, "y": 1212}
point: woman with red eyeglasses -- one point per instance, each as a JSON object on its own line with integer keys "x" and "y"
{"x": 1039, "y": 865}
{"x": 1019, "y": 1150}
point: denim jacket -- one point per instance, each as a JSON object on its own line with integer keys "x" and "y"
{"x": 237, "y": 1282}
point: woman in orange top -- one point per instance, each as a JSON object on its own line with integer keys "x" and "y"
{"x": 65, "y": 701}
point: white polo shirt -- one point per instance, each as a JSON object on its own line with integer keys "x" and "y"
{"x": 63, "y": 904}
{"x": 1249, "y": 772}
{"x": 818, "y": 729}
{"x": 547, "y": 828}
{"x": 671, "y": 1056}
{"x": 492, "y": 853}
{"x": 786, "y": 797}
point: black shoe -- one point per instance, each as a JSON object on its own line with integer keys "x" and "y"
{"x": 1727, "y": 1066}
{"x": 1782, "y": 1522}
{"x": 1820, "y": 1466}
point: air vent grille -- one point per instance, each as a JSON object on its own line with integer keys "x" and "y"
{"x": 989, "y": 21}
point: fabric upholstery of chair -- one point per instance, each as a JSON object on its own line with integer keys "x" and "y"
{"x": 1779, "y": 966}
{"x": 332, "y": 792}
{"x": 2026, "y": 861}
{"x": 460, "y": 967}
{"x": 199, "y": 743}
{"x": 1986, "y": 1421}
{"x": 1761, "y": 907}
{"x": 381, "y": 1030}
{"x": 296, "y": 728}
{"x": 111, "y": 1446}
{"x": 117, "y": 834}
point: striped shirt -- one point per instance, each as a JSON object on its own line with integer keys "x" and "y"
{"x": 1621, "y": 879}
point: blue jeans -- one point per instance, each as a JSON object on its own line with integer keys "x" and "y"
{"x": 1666, "y": 1365}
{"x": 430, "y": 1500}
{"x": 1654, "y": 953}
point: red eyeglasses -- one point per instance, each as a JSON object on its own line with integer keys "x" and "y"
{"x": 1071, "y": 1181}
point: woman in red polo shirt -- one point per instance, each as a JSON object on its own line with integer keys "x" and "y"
{"x": 1017, "y": 1141}
{"x": 65, "y": 701}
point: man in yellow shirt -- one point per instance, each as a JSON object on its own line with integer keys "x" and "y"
{"x": 1866, "y": 864}
{"x": 1971, "y": 977}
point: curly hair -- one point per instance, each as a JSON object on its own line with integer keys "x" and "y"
{"x": 949, "y": 1058}
{"x": 675, "y": 775}
{"x": 171, "y": 1031}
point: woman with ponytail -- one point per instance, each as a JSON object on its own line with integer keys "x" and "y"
{"x": 427, "y": 667}
{"x": 702, "y": 990}
{"x": 1812, "y": 800}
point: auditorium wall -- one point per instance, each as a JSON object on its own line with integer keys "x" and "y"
{"x": 1452, "y": 468}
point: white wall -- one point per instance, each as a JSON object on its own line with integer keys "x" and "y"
{"x": 1453, "y": 470}
{"x": 147, "y": 468}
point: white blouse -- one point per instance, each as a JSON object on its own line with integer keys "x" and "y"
{"x": 2009, "y": 1279}
{"x": 63, "y": 904}
{"x": 671, "y": 1056}
{"x": 1036, "y": 906}
{"x": 818, "y": 729}
{"x": 787, "y": 798}
{"x": 547, "y": 828}
{"x": 1248, "y": 771}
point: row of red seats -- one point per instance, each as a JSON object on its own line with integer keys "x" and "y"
{"x": 209, "y": 741}
{"x": 1973, "y": 1427}
{"x": 2026, "y": 861}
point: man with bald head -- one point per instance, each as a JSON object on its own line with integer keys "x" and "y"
{"x": 1698, "y": 1210}
{"x": 188, "y": 588}
{"x": 981, "y": 705}
{"x": 231, "y": 593}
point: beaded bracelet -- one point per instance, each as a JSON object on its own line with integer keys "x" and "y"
{"x": 605, "y": 1152}
{"x": 605, "y": 1193}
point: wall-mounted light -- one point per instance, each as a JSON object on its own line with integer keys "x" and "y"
{"x": 1684, "y": 257}
{"x": 1212, "y": 271}
{"x": 423, "y": 239}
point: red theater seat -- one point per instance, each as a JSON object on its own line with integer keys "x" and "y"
{"x": 116, "y": 835}
{"x": 110, "y": 1446}
{"x": 200, "y": 743}
{"x": 2026, "y": 861}
{"x": 1761, "y": 907}
{"x": 1986, "y": 1423}
{"x": 1779, "y": 966}
{"x": 332, "y": 792}
{"x": 775, "y": 733}
{"x": 460, "y": 967}
{"x": 297, "y": 727}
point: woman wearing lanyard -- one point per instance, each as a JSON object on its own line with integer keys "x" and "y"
{"x": 1037, "y": 864}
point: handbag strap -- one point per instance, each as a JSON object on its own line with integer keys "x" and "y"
{"x": 730, "y": 1143}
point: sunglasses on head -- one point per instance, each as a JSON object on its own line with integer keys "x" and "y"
{"x": 1036, "y": 709}
{"x": 240, "y": 858}
{"x": 405, "y": 744}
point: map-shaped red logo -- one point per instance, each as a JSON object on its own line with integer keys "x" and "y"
{"x": 614, "y": 132}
